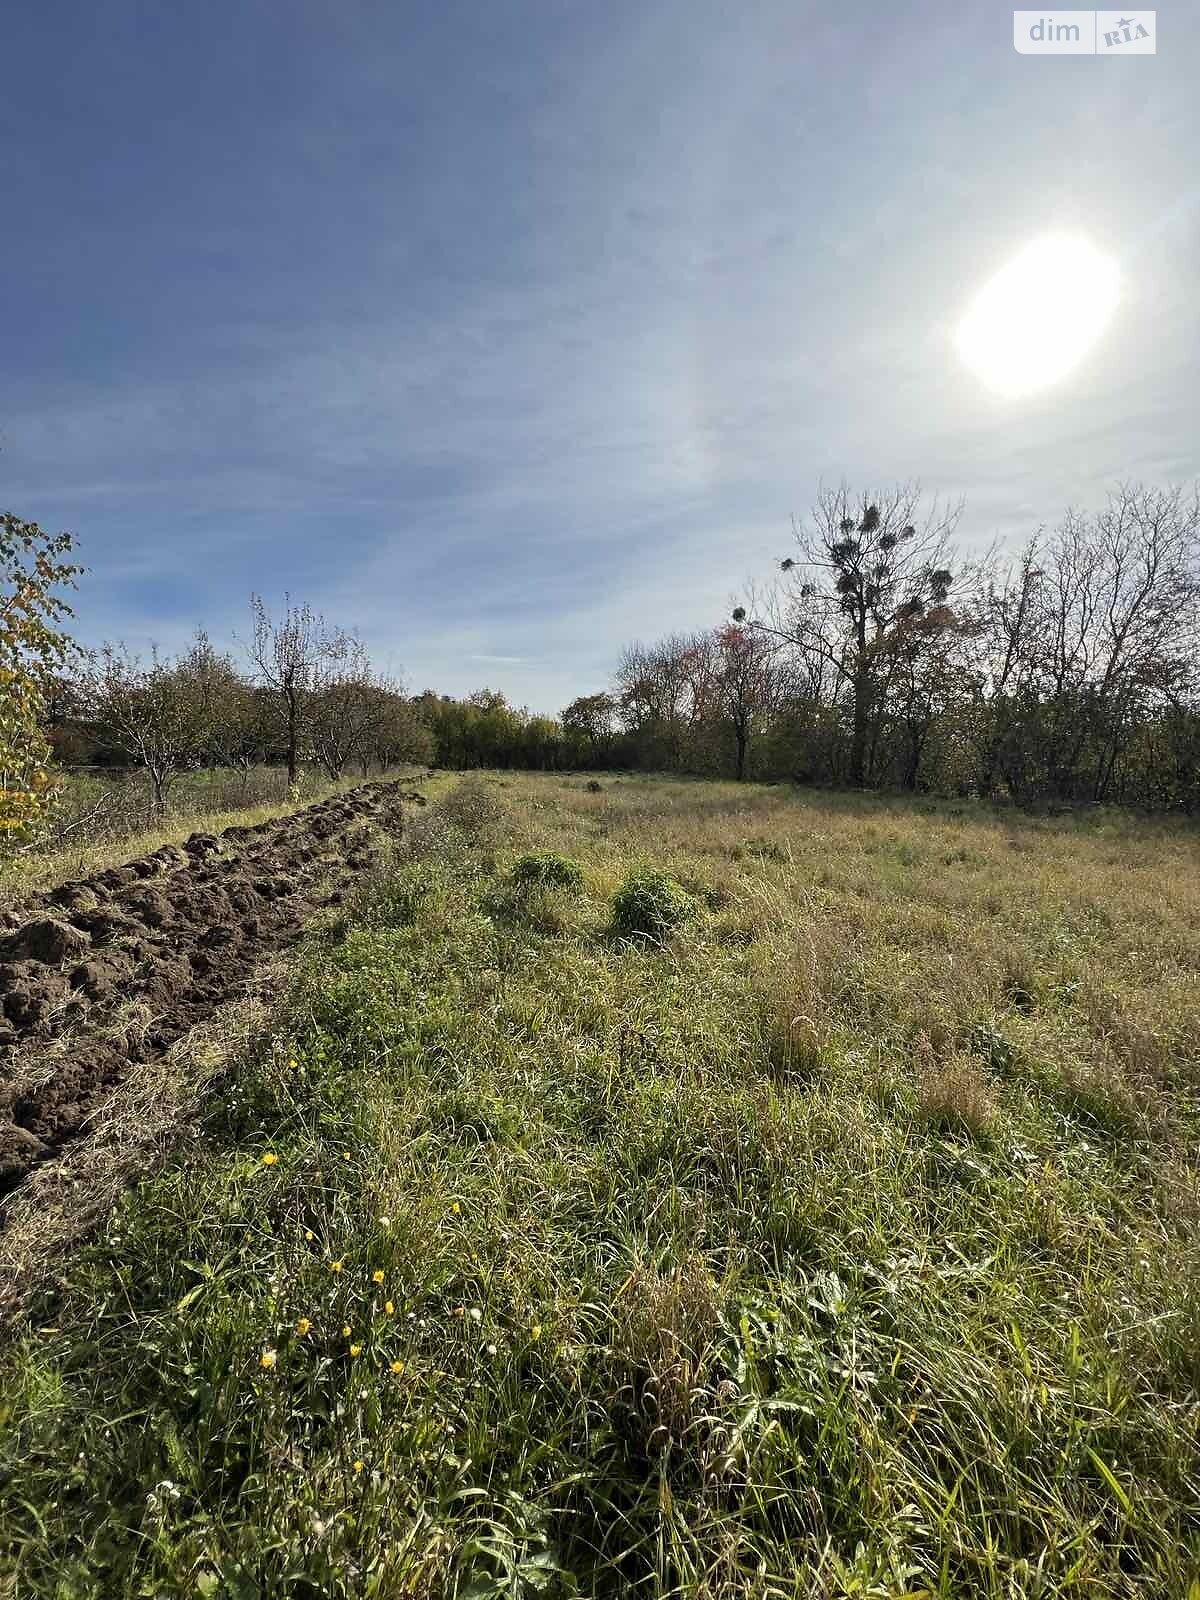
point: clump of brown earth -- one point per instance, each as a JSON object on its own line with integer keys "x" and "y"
{"x": 180, "y": 930}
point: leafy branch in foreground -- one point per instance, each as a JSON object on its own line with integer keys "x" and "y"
{"x": 34, "y": 569}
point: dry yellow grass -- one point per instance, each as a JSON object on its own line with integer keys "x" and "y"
{"x": 930, "y": 918}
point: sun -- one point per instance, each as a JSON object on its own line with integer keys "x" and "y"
{"x": 1032, "y": 323}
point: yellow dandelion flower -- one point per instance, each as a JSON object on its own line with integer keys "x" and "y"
{"x": 356, "y": 1349}
{"x": 397, "y": 1367}
{"x": 388, "y": 1307}
{"x": 303, "y": 1326}
{"x": 270, "y": 1159}
{"x": 535, "y": 1333}
{"x": 345, "y": 1155}
{"x": 267, "y": 1359}
{"x": 456, "y": 1208}
{"x": 346, "y": 1331}
{"x": 358, "y": 1466}
{"x": 308, "y": 1235}
{"x": 291, "y": 1061}
{"x": 335, "y": 1266}
{"x": 377, "y": 1276}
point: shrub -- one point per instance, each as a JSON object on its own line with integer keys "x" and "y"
{"x": 987, "y": 1041}
{"x": 548, "y": 870}
{"x": 651, "y": 904}
{"x": 542, "y": 892}
{"x": 402, "y": 890}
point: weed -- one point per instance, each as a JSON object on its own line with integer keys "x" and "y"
{"x": 954, "y": 1094}
{"x": 651, "y": 904}
{"x": 549, "y": 870}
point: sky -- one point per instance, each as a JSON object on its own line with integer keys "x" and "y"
{"x": 506, "y": 332}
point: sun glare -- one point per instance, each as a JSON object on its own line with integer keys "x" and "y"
{"x": 1034, "y": 321}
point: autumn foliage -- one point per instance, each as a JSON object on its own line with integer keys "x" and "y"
{"x": 34, "y": 570}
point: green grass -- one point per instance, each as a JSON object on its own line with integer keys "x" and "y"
{"x": 842, "y": 1243}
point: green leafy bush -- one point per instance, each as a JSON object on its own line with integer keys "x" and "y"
{"x": 548, "y": 870}
{"x": 650, "y": 903}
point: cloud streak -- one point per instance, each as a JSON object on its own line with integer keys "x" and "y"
{"x": 507, "y": 346}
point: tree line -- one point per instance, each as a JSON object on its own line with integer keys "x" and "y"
{"x": 877, "y": 655}
{"x": 880, "y": 656}
{"x": 303, "y": 692}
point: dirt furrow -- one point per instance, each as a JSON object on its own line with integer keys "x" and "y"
{"x": 178, "y": 931}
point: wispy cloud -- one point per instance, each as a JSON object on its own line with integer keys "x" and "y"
{"x": 505, "y": 378}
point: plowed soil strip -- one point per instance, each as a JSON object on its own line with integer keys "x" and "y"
{"x": 179, "y": 931}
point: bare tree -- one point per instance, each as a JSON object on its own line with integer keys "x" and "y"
{"x": 293, "y": 657}
{"x": 1003, "y": 619}
{"x": 153, "y": 713}
{"x": 1146, "y": 586}
{"x": 1093, "y": 636}
{"x": 350, "y": 711}
{"x": 867, "y": 566}
{"x": 657, "y": 696}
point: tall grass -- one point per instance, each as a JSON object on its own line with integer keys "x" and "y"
{"x": 839, "y": 1242}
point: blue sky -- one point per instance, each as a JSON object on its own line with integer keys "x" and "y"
{"x": 508, "y": 332}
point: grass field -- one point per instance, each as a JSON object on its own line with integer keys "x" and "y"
{"x": 840, "y": 1240}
